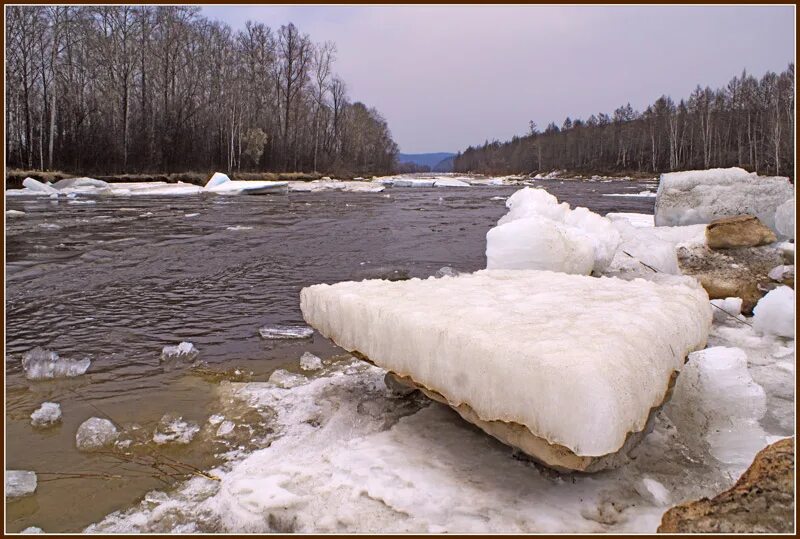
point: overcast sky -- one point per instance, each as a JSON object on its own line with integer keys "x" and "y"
{"x": 446, "y": 77}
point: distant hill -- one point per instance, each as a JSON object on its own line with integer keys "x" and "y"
{"x": 438, "y": 162}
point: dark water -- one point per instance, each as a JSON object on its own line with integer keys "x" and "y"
{"x": 117, "y": 280}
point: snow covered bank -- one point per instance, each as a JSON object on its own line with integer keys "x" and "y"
{"x": 700, "y": 196}
{"x": 500, "y": 343}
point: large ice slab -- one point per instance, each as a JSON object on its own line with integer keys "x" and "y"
{"x": 700, "y": 196}
{"x": 578, "y": 361}
{"x": 221, "y": 184}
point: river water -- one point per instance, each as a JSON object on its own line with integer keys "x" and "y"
{"x": 118, "y": 279}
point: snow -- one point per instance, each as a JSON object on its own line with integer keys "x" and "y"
{"x": 495, "y": 340}
{"x": 774, "y": 313}
{"x": 700, "y": 196}
{"x": 41, "y": 364}
{"x": 286, "y": 332}
{"x": 539, "y": 233}
{"x": 310, "y": 362}
{"x": 174, "y": 430}
{"x": 784, "y": 219}
{"x": 185, "y": 351}
{"x": 20, "y": 483}
{"x": 658, "y": 493}
{"x": 48, "y": 414}
{"x": 727, "y": 308}
{"x": 95, "y": 433}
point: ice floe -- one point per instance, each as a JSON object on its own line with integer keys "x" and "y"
{"x": 700, "y": 196}
{"x": 20, "y": 483}
{"x": 95, "y": 433}
{"x": 610, "y": 335}
{"x": 41, "y": 364}
{"x": 540, "y": 233}
{"x": 175, "y": 430}
{"x": 221, "y": 184}
{"x": 48, "y": 414}
{"x": 286, "y": 332}
{"x": 185, "y": 351}
{"x": 310, "y": 362}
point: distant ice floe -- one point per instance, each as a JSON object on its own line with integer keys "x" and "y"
{"x": 650, "y": 194}
{"x": 286, "y": 332}
{"x": 41, "y": 364}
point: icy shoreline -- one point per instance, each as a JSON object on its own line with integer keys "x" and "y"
{"x": 350, "y": 456}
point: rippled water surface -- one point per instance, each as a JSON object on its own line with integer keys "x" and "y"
{"x": 118, "y": 279}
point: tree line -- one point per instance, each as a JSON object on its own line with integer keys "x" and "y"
{"x": 749, "y": 123}
{"x": 161, "y": 88}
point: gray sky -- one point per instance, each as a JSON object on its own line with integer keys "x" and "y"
{"x": 446, "y": 77}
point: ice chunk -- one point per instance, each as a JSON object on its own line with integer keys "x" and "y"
{"x": 554, "y": 238}
{"x": 217, "y": 179}
{"x": 658, "y": 493}
{"x": 221, "y": 184}
{"x": 447, "y": 271}
{"x": 32, "y": 529}
{"x": 15, "y": 213}
{"x": 700, "y": 196}
{"x": 784, "y": 219}
{"x": 727, "y": 308}
{"x": 239, "y": 227}
{"x": 285, "y": 379}
{"x": 41, "y": 364}
{"x": 175, "y": 430}
{"x": 579, "y": 361}
{"x": 643, "y": 250}
{"x": 413, "y": 182}
{"x": 38, "y": 187}
{"x": 49, "y": 413}
{"x": 225, "y": 428}
{"x": 310, "y": 362}
{"x": 20, "y": 483}
{"x": 726, "y": 404}
{"x": 774, "y": 313}
{"x": 95, "y": 433}
{"x": 286, "y": 332}
{"x": 449, "y": 182}
{"x": 538, "y": 243}
{"x": 185, "y": 351}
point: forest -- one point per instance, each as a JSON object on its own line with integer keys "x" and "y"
{"x": 749, "y": 123}
{"x": 124, "y": 89}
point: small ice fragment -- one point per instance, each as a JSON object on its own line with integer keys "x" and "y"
{"x": 225, "y": 428}
{"x": 239, "y": 227}
{"x": 95, "y": 433}
{"x": 184, "y": 351}
{"x": 48, "y": 414}
{"x": 15, "y": 213}
{"x": 191, "y": 215}
{"x": 725, "y": 307}
{"x": 216, "y": 419}
{"x": 175, "y": 430}
{"x": 286, "y": 332}
{"x": 41, "y": 364}
{"x": 498, "y": 198}
{"x": 447, "y": 271}
{"x": 146, "y": 214}
{"x": 657, "y": 491}
{"x": 32, "y": 529}
{"x": 310, "y": 362}
{"x": 20, "y": 483}
{"x": 286, "y": 379}
{"x": 774, "y": 313}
